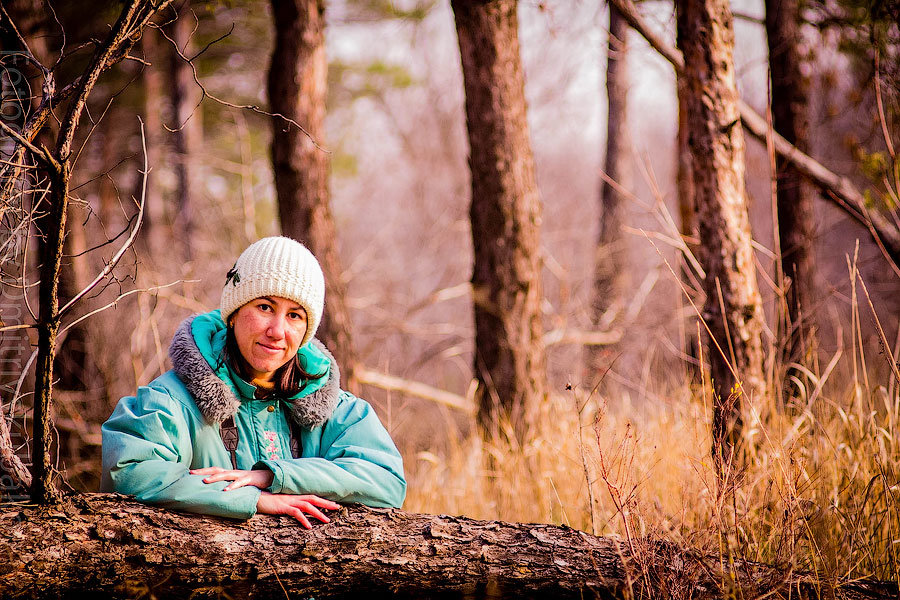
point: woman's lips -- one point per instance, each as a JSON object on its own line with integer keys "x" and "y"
{"x": 272, "y": 349}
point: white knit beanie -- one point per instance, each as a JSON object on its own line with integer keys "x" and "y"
{"x": 276, "y": 266}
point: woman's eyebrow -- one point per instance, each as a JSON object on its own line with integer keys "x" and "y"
{"x": 272, "y": 301}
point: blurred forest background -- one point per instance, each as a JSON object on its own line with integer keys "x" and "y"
{"x": 620, "y": 439}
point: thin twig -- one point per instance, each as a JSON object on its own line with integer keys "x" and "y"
{"x": 878, "y": 102}
{"x": 584, "y": 462}
{"x": 20, "y": 326}
{"x": 39, "y": 152}
{"x": 583, "y": 338}
{"x": 251, "y": 107}
{"x": 121, "y": 252}
{"x": 884, "y": 343}
{"x": 28, "y": 54}
{"x": 116, "y": 301}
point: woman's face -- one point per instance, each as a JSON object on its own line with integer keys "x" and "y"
{"x": 268, "y": 331}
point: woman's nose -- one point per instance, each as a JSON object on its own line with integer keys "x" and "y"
{"x": 276, "y": 327}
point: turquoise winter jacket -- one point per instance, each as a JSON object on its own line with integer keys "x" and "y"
{"x": 171, "y": 425}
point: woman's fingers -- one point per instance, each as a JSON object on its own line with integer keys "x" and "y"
{"x": 320, "y": 502}
{"x": 222, "y": 476}
{"x": 298, "y": 514}
{"x": 206, "y": 471}
{"x": 239, "y": 482}
{"x": 297, "y": 507}
{"x": 261, "y": 478}
{"x": 315, "y": 512}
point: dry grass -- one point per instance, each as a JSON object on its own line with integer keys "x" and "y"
{"x": 816, "y": 487}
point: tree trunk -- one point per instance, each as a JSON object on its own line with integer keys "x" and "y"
{"x": 154, "y": 233}
{"x": 684, "y": 176}
{"x": 733, "y": 308}
{"x": 840, "y": 190}
{"x": 43, "y": 488}
{"x": 54, "y": 279}
{"x": 610, "y": 258}
{"x": 74, "y": 363}
{"x": 505, "y": 216}
{"x": 297, "y": 87}
{"x": 188, "y": 128}
{"x": 107, "y": 546}
{"x": 687, "y": 219}
{"x": 794, "y": 194}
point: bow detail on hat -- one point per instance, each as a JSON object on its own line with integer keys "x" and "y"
{"x": 233, "y": 276}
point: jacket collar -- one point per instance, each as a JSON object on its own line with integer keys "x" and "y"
{"x": 214, "y": 392}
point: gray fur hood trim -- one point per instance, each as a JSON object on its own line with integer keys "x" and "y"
{"x": 216, "y": 399}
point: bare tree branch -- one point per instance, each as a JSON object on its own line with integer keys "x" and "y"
{"x": 19, "y": 326}
{"x": 128, "y": 243}
{"x": 125, "y": 32}
{"x": 39, "y": 152}
{"x": 28, "y": 54}
{"x": 114, "y": 302}
{"x": 840, "y": 189}
{"x": 417, "y": 389}
{"x": 583, "y": 338}
{"x": 250, "y": 107}
{"x": 123, "y": 35}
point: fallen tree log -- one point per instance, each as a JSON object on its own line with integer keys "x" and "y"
{"x": 106, "y": 546}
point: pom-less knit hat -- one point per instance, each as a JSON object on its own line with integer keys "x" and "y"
{"x": 276, "y": 266}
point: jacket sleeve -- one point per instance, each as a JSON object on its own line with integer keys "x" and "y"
{"x": 357, "y": 462}
{"x": 147, "y": 453}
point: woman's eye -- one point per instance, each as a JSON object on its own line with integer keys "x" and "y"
{"x": 265, "y": 307}
{"x": 297, "y": 316}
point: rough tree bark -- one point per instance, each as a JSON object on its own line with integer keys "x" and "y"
{"x": 74, "y": 364}
{"x": 684, "y": 174}
{"x": 790, "y": 90}
{"x": 43, "y": 490}
{"x": 107, "y": 546}
{"x": 610, "y": 258}
{"x": 297, "y": 88}
{"x": 733, "y": 307}
{"x": 505, "y": 215}
{"x": 687, "y": 222}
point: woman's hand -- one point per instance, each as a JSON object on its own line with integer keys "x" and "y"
{"x": 261, "y": 478}
{"x": 295, "y": 506}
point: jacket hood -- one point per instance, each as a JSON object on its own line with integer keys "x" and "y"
{"x": 194, "y": 352}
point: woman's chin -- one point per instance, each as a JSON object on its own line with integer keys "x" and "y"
{"x": 264, "y": 369}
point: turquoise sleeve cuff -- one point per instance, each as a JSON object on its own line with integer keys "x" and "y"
{"x": 277, "y": 485}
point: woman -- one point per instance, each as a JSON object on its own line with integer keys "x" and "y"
{"x": 251, "y": 418}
